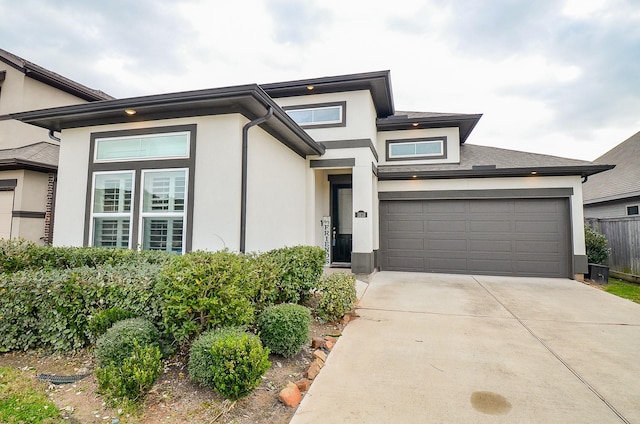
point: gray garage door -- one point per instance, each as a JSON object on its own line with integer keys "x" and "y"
{"x": 528, "y": 237}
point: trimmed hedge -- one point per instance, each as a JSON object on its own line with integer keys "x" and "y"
{"x": 52, "y": 309}
{"x": 284, "y": 328}
{"x": 56, "y": 298}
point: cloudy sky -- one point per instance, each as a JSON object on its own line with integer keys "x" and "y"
{"x": 558, "y": 77}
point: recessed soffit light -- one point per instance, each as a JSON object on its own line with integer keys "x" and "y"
{"x": 130, "y": 112}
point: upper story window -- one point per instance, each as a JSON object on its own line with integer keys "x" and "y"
{"x": 412, "y": 149}
{"x": 149, "y": 146}
{"x": 321, "y": 115}
{"x": 633, "y": 210}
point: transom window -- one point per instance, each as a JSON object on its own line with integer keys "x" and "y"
{"x": 153, "y": 146}
{"x": 140, "y": 189}
{"x": 324, "y": 115}
{"x": 633, "y": 210}
{"x": 429, "y": 148}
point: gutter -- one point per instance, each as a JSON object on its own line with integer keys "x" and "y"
{"x": 245, "y": 155}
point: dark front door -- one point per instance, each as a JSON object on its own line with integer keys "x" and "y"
{"x": 342, "y": 223}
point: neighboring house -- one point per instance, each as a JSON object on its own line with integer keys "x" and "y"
{"x": 615, "y": 194}
{"x": 324, "y": 161}
{"x": 28, "y": 157}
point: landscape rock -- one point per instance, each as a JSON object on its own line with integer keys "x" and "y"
{"x": 319, "y": 354}
{"x": 290, "y": 395}
{"x": 317, "y": 342}
{"x": 329, "y": 344}
{"x": 303, "y": 384}
{"x": 314, "y": 369}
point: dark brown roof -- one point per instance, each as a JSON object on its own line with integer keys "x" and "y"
{"x": 482, "y": 161}
{"x": 378, "y": 83}
{"x": 249, "y": 100}
{"x": 622, "y": 181}
{"x": 53, "y": 79}
{"x": 406, "y": 120}
{"x": 41, "y": 156}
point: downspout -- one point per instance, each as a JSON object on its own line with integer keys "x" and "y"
{"x": 53, "y": 137}
{"x": 584, "y": 179}
{"x": 245, "y": 155}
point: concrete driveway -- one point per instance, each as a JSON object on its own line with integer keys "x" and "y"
{"x": 434, "y": 348}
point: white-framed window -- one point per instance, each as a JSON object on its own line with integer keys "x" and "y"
{"x": 162, "y": 216}
{"x": 325, "y": 114}
{"x": 112, "y": 209}
{"x": 430, "y": 148}
{"x": 142, "y": 147}
{"x": 633, "y": 210}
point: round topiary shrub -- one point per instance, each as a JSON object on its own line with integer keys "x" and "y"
{"x": 337, "y": 296}
{"x": 104, "y": 319}
{"x": 229, "y": 361}
{"x": 284, "y": 328}
{"x": 117, "y": 344}
{"x": 132, "y": 379}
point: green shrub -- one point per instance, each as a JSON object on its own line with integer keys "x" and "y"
{"x": 596, "y": 244}
{"x": 231, "y": 363}
{"x": 134, "y": 377}
{"x": 200, "y": 360}
{"x": 337, "y": 296}
{"x": 103, "y": 320}
{"x": 51, "y": 309}
{"x": 299, "y": 269}
{"x": 202, "y": 290}
{"x": 284, "y": 328}
{"x": 118, "y": 343}
{"x": 19, "y": 254}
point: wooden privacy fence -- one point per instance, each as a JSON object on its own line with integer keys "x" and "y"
{"x": 623, "y": 237}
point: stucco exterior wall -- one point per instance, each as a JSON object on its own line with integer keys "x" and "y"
{"x": 453, "y": 144}
{"x": 360, "y": 115}
{"x": 276, "y": 208}
{"x": 21, "y": 93}
{"x": 574, "y": 182}
{"x": 276, "y": 195}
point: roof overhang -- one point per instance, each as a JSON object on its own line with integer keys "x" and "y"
{"x": 465, "y": 122}
{"x": 615, "y": 198}
{"x": 248, "y": 100}
{"x": 378, "y": 83}
{"x": 385, "y": 174}
{"x": 16, "y": 164}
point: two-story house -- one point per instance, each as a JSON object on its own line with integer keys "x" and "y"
{"x": 325, "y": 161}
{"x": 28, "y": 156}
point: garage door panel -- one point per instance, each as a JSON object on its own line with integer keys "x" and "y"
{"x": 495, "y": 246}
{"x": 493, "y": 236}
{"x": 538, "y": 246}
{"x": 406, "y": 244}
{"x": 404, "y": 207}
{"x": 406, "y": 263}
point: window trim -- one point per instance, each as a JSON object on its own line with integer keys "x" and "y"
{"x": 632, "y": 206}
{"x": 138, "y": 166}
{"x": 182, "y": 214}
{"x": 111, "y": 214}
{"x": 343, "y": 114}
{"x": 389, "y": 143}
{"x": 139, "y": 158}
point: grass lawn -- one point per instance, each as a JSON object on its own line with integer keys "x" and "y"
{"x": 624, "y": 289}
{"x": 22, "y": 402}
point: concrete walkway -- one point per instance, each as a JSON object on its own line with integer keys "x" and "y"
{"x": 433, "y": 348}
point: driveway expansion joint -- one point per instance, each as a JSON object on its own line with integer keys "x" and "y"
{"x": 557, "y": 356}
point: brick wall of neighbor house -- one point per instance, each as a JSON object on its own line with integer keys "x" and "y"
{"x": 48, "y": 218}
